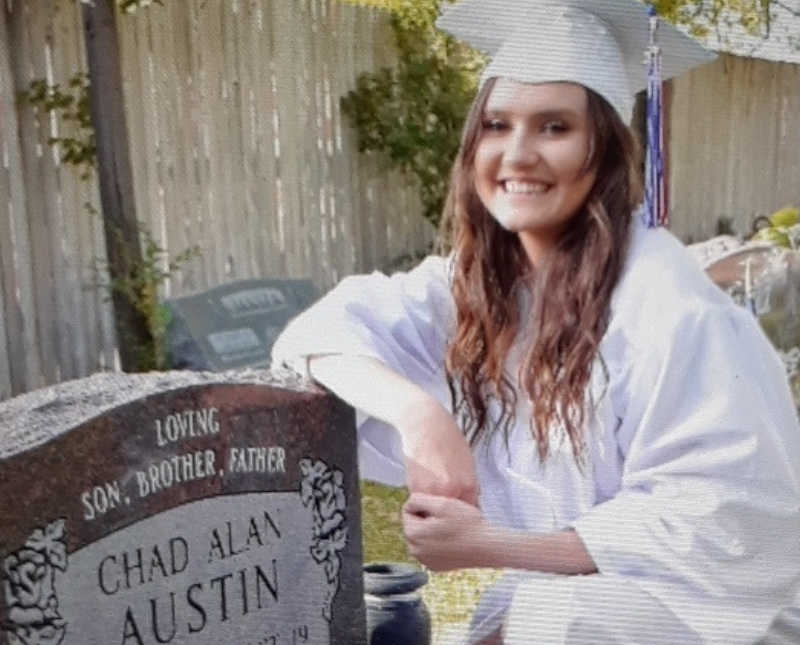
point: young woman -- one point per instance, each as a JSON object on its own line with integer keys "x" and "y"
{"x": 571, "y": 394}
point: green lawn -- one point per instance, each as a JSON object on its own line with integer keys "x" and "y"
{"x": 450, "y": 597}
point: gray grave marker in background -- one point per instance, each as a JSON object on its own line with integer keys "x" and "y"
{"x": 183, "y": 508}
{"x": 235, "y": 324}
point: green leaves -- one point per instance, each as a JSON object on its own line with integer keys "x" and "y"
{"x": 412, "y": 114}
{"x": 140, "y": 286}
{"x": 702, "y": 15}
{"x": 781, "y": 227}
{"x": 71, "y": 104}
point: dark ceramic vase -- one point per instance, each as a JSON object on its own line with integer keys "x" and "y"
{"x": 396, "y": 614}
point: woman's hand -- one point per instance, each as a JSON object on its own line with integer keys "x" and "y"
{"x": 443, "y": 533}
{"x": 438, "y": 458}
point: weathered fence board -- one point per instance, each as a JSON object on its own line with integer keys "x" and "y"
{"x": 238, "y": 146}
{"x": 733, "y": 148}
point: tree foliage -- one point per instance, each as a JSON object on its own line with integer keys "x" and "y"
{"x": 702, "y": 15}
{"x": 412, "y": 113}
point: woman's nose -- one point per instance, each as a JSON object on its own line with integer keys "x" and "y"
{"x": 521, "y": 149}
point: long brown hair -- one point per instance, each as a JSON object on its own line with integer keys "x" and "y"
{"x": 571, "y": 290}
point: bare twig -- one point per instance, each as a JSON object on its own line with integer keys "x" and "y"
{"x": 786, "y": 7}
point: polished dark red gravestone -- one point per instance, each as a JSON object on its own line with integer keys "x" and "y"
{"x": 183, "y": 508}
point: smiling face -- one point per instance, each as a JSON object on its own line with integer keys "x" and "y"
{"x": 530, "y": 164}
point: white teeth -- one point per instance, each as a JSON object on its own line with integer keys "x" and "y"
{"x": 525, "y": 187}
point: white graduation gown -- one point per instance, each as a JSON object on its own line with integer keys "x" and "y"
{"x": 690, "y": 505}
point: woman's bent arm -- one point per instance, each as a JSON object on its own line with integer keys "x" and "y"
{"x": 437, "y": 456}
{"x": 558, "y": 552}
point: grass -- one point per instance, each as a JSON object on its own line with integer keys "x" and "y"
{"x": 451, "y": 597}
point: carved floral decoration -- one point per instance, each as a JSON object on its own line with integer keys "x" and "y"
{"x": 28, "y": 587}
{"x": 322, "y": 489}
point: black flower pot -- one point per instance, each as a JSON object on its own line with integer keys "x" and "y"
{"x": 396, "y": 614}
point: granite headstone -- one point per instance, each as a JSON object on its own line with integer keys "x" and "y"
{"x": 235, "y": 324}
{"x": 182, "y": 508}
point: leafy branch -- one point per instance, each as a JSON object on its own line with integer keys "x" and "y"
{"x": 140, "y": 287}
{"x": 72, "y": 104}
{"x": 412, "y": 114}
{"x": 703, "y": 15}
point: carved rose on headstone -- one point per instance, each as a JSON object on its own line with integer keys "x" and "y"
{"x": 29, "y": 590}
{"x": 322, "y": 488}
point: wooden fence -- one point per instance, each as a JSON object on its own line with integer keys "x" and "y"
{"x": 734, "y": 144}
{"x": 238, "y": 146}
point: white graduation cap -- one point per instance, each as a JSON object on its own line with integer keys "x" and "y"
{"x": 600, "y": 44}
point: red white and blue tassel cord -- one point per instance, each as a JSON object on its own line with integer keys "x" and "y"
{"x": 655, "y": 212}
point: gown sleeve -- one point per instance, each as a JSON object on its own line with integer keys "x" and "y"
{"x": 401, "y": 320}
{"x": 707, "y": 517}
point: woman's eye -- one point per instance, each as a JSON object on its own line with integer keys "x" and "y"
{"x": 555, "y": 127}
{"x": 494, "y": 124}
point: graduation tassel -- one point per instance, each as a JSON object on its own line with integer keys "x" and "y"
{"x": 655, "y": 180}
